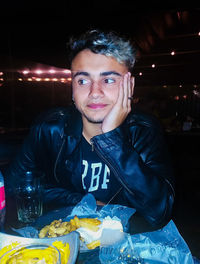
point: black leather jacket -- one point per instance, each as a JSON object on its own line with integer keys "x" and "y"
{"x": 135, "y": 152}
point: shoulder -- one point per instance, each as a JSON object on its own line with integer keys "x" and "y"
{"x": 53, "y": 119}
{"x": 52, "y": 115}
{"x": 55, "y": 115}
{"x": 59, "y": 121}
{"x": 143, "y": 119}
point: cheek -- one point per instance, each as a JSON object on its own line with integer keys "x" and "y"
{"x": 80, "y": 91}
{"x": 113, "y": 93}
{"x": 79, "y": 96}
{"x": 76, "y": 92}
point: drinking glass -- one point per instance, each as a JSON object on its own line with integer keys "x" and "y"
{"x": 28, "y": 194}
{"x": 32, "y": 253}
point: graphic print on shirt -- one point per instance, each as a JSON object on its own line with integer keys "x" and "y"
{"x": 98, "y": 173}
{"x": 96, "y": 177}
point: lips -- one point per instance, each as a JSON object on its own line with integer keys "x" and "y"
{"x": 96, "y": 106}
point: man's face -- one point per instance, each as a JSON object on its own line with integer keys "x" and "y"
{"x": 95, "y": 83}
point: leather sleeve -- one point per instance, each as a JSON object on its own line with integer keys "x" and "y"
{"x": 141, "y": 163}
{"x": 32, "y": 156}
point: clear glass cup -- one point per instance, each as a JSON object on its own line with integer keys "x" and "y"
{"x": 29, "y": 197}
{"x": 31, "y": 254}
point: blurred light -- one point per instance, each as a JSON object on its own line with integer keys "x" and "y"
{"x": 52, "y": 71}
{"x": 20, "y": 79}
{"x": 176, "y": 97}
{"x": 38, "y": 79}
{"x": 153, "y": 65}
{"x": 25, "y": 72}
{"x": 67, "y": 71}
{"x": 180, "y": 86}
{"x": 47, "y": 79}
{"x": 184, "y": 96}
{"x": 196, "y": 92}
{"x": 199, "y": 34}
{"x": 164, "y": 86}
{"x": 69, "y": 79}
{"x": 1, "y": 79}
{"x": 29, "y": 79}
{"x": 1, "y": 73}
{"x": 140, "y": 73}
{"x": 55, "y": 79}
{"x": 38, "y": 71}
{"x": 173, "y": 53}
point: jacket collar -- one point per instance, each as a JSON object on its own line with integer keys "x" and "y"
{"x": 74, "y": 124}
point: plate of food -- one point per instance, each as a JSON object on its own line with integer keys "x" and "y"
{"x": 91, "y": 229}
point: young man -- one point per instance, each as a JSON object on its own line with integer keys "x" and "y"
{"x": 101, "y": 145}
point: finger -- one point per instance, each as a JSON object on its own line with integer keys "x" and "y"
{"x": 125, "y": 90}
{"x": 121, "y": 93}
{"x": 129, "y": 92}
{"x": 132, "y": 85}
{"x": 126, "y": 87}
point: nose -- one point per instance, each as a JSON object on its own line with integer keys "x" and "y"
{"x": 95, "y": 90}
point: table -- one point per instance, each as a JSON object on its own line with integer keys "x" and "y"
{"x": 137, "y": 225}
{"x": 140, "y": 225}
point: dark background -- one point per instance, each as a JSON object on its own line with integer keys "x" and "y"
{"x": 39, "y": 33}
{"x": 34, "y": 35}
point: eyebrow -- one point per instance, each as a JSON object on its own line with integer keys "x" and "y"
{"x": 110, "y": 73}
{"x": 80, "y": 73}
{"x": 101, "y": 74}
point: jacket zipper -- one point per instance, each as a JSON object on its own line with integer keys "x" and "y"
{"x": 92, "y": 143}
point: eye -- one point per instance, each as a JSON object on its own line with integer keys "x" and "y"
{"x": 82, "y": 81}
{"x": 109, "y": 80}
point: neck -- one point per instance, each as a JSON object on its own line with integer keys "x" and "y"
{"x": 90, "y": 130}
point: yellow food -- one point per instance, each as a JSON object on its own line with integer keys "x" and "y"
{"x": 90, "y": 223}
{"x": 77, "y": 221}
{"x": 44, "y": 231}
{"x": 33, "y": 256}
{"x": 58, "y": 228}
{"x": 93, "y": 244}
{"x": 64, "y": 250}
{"x": 8, "y": 248}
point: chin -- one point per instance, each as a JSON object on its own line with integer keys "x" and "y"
{"x": 94, "y": 120}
